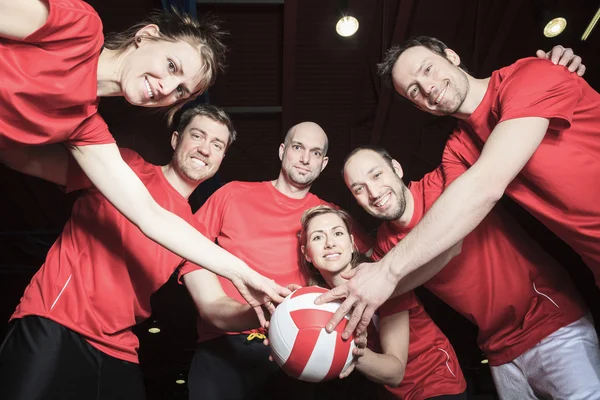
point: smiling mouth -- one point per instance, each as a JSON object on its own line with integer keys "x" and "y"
{"x": 383, "y": 200}
{"x": 332, "y": 256}
{"x": 441, "y": 95}
{"x": 148, "y": 88}
{"x": 199, "y": 162}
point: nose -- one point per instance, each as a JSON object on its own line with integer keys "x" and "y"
{"x": 167, "y": 85}
{"x": 305, "y": 157}
{"x": 328, "y": 242}
{"x": 373, "y": 191}
{"x": 204, "y": 148}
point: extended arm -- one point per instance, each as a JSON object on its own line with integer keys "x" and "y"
{"x": 118, "y": 183}
{"x": 215, "y": 307}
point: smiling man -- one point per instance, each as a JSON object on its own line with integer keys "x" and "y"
{"x": 70, "y": 336}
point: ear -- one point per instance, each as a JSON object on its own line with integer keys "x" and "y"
{"x": 147, "y": 31}
{"x": 174, "y": 139}
{"x": 281, "y": 150}
{"x": 352, "y": 241}
{"x": 302, "y": 249}
{"x": 324, "y": 163}
{"x": 398, "y": 168}
{"x": 452, "y": 56}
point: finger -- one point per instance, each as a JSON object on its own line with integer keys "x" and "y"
{"x": 365, "y": 319}
{"x": 338, "y": 292}
{"x": 555, "y": 53}
{"x": 270, "y": 307}
{"x": 348, "y": 370}
{"x": 271, "y": 358}
{"x": 260, "y": 314}
{"x": 356, "y": 352}
{"x": 266, "y": 342}
{"x": 541, "y": 54}
{"x": 267, "y": 323}
{"x": 567, "y": 55}
{"x": 339, "y": 314}
{"x": 581, "y": 70}
{"x": 293, "y": 286}
{"x": 575, "y": 63}
{"x": 355, "y": 318}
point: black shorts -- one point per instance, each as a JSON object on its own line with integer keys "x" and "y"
{"x": 43, "y": 360}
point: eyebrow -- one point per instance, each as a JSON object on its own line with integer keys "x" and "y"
{"x": 302, "y": 144}
{"x": 323, "y": 231}
{"x": 206, "y": 134}
{"x": 180, "y": 64}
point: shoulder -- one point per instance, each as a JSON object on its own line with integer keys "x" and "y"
{"x": 534, "y": 73}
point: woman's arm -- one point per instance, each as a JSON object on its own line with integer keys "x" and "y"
{"x": 388, "y": 368}
{"x": 118, "y": 183}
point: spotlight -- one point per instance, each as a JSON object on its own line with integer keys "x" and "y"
{"x": 154, "y": 328}
{"x": 484, "y": 361}
{"x": 555, "y": 27}
{"x": 180, "y": 381}
{"x": 346, "y": 26}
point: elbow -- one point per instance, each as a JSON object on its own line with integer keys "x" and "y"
{"x": 398, "y": 375}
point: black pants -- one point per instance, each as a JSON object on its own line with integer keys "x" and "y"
{"x": 40, "y": 359}
{"x": 461, "y": 396}
{"x": 231, "y": 368}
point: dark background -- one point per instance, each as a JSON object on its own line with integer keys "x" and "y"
{"x": 287, "y": 65}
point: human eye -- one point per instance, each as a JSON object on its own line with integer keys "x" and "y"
{"x": 172, "y": 66}
{"x": 316, "y": 237}
{"x": 180, "y": 91}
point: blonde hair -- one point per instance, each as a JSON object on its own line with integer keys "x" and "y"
{"x": 173, "y": 26}
{"x": 310, "y": 272}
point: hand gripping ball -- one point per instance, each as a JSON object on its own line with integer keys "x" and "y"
{"x": 299, "y": 342}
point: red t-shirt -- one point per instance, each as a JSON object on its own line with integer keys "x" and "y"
{"x": 502, "y": 280}
{"x": 49, "y": 81}
{"x": 432, "y": 368}
{"x": 100, "y": 273}
{"x": 259, "y": 225}
{"x": 559, "y": 184}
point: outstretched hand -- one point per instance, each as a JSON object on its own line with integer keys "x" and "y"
{"x": 564, "y": 56}
{"x": 259, "y": 291}
{"x": 368, "y": 287}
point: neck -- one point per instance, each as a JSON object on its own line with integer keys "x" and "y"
{"x": 475, "y": 95}
{"x": 409, "y": 210}
{"x": 109, "y": 72}
{"x": 335, "y": 279}
{"x": 288, "y": 188}
{"x": 184, "y": 186}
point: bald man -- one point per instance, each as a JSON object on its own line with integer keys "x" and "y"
{"x": 259, "y": 222}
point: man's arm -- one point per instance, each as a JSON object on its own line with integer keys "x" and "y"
{"x": 48, "y": 162}
{"x": 106, "y": 169}
{"x": 215, "y": 307}
{"x": 461, "y": 207}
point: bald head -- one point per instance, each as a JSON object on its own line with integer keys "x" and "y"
{"x": 309, "y": 129}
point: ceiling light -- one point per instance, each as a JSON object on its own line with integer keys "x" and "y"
{"x": 180, "y": 381}
{"x": 346, "y": 26}
{"x": 484, "y": 361}
{"x": 154, "y": 330}
{"x": 555, "y": 27}
{"x": 591, "y": 26}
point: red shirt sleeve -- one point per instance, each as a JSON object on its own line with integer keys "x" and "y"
{"x": 93, "y": 130}
{"x": 78, "y": 180}
{"x": 537, "y": 88}
{"x": 398, "y": 304}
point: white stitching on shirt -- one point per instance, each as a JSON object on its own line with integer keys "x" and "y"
{"x": 447, "y": 359}
{"x": 61, "y": 292}
{"x": 546, "y": 296}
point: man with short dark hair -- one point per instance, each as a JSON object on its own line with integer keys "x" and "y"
{"x": 533, "y": 326}
{"x": 70, "y": 336}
